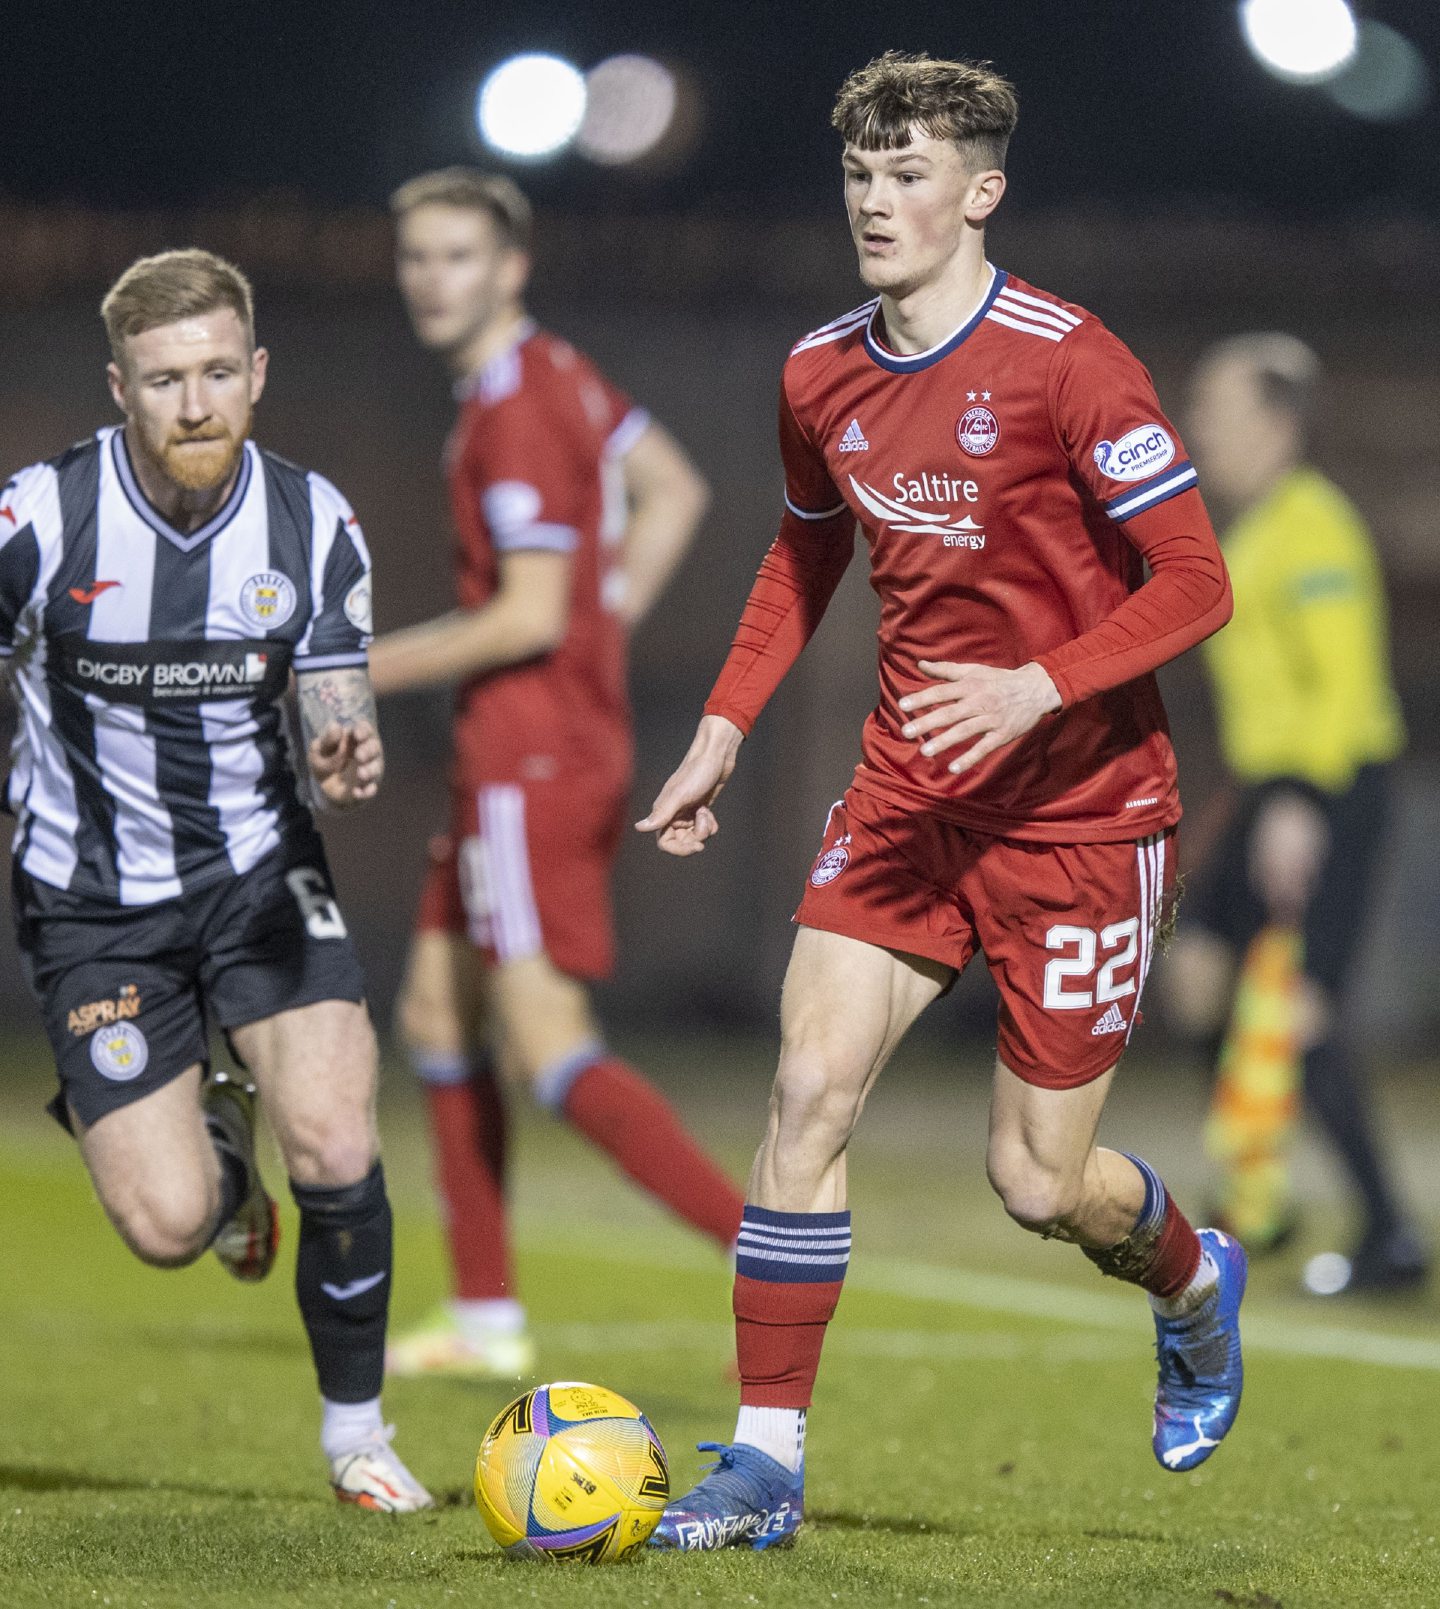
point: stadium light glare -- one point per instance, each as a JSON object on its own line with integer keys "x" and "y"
{"x": 1302, "y": 41}
{"x": 530, "y": 106}
{"x": 1386, "y": 82}
{"x": 630, "y": 107}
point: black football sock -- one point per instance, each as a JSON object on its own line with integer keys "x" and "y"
{"x": 1333, "y": 1092}
{"x": 342, "y": 1282}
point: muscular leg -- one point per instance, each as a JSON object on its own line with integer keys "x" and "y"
{"x": 442, "y": 1018}
{"x": 316, "y": 1070}
{"x": 1054, "y": 1180}
{"x": 552, "y": 1041}
{"x": 845, "y": 1008}
{"x": 156, "y": 1172}
{"x": 1044, "y": 1164}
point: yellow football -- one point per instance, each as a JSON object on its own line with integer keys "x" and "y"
{"x": 571, "y": 1472}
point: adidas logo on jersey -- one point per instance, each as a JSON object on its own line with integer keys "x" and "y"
{"x": 1113, "y": 1022}
{"x": 853, "y": 441}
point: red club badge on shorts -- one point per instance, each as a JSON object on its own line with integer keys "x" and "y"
{"x": 829, "y": 866}
{"x": 978, "y": 431}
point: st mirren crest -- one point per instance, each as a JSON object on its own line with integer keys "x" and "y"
{"x": 267, "y": 600}
{"x": 119, "y": 1052}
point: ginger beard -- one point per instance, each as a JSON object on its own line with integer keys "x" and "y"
{"x": 196, "y": 461}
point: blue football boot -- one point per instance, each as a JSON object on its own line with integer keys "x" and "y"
{"x": 1201, "y": 1374}
{"x": 746, "y": 1501}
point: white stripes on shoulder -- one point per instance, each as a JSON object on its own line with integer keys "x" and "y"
{"x": 837, "y": 328}
{"x": 1018, "y": 310}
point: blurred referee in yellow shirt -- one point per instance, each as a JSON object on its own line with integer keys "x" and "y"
{"x": 1309, "y": 726}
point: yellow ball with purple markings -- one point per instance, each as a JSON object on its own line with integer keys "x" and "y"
{"x": 572, "y": 1473}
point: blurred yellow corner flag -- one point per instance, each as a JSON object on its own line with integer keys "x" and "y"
{"x": 1257, "y": 1092}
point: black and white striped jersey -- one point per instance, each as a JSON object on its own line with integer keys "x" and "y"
{"x": 150, "y": 666}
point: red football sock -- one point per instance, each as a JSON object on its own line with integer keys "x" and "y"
{"x": 1176, "y": 1256}
{"x": 789, "y": 1269}
{"x": 1162, "y": 1253}
{"x": 468, "y": 1129}
{"x": 627, "y": 1117}
{"x": 779, "y": 1330}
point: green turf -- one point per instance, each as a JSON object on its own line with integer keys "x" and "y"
{"x": 159, "y": 1429}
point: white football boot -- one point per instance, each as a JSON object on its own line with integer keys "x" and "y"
{"x": 372, "y": 1476}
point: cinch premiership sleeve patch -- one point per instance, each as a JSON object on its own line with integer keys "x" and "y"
{"x": 1109, "y": 420}
{"x": 341, "y": 625}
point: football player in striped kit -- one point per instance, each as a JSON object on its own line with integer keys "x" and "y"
{"x": 159, "y": 582}
{"x": 1012, "y": 473}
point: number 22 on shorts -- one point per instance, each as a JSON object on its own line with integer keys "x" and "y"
{"x": 1118, "y": 943}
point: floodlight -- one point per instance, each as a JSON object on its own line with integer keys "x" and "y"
{"x": 629, "y": 108}
{"x": 1304, "y": 41}
{"x": 530, "y": 106}
{"x": 1386, "y": 81}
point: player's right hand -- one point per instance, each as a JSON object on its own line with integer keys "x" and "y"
{"x": 681, "y": 816}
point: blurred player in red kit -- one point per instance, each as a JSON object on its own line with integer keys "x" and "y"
{"x": 572, "y": 509}
{"x": 1012, "y": 474}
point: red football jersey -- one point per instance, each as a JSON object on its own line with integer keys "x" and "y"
{"x": 534, "y": 462}
{"x": 1011, "y": 482}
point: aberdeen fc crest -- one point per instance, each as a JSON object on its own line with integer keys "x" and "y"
{"x": 829, "y": 866}
{"x": 978, "y": 431}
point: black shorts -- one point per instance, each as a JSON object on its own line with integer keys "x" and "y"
{"x": 1220, "y": 898}
{"x": 126, "y": 990}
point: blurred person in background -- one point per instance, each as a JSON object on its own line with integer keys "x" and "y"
{"x": 1309, "y": 728}
{"x": 1011, "y": 471}
{"x": 572, "y": 509}
{"x": 159, "y": 582}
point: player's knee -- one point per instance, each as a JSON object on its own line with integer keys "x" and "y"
{"x": 427, "y": 1020}
{"x": 331, "y": 1149}
{"x": 816, "y": 1093}
{"x": 167, "y": 1225}
{"x": 1039, "y": 1198}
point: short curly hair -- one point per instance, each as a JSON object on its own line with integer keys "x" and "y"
{"x": 880, "y": 106}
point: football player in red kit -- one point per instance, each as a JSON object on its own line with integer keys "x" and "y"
{"x": 1012, "y": 474}
{"x": 572, "y": 509}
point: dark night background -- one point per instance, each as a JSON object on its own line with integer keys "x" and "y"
{"x": 1128, "y": 103}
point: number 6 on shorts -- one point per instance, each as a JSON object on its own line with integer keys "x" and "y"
{"x": 312, "y": 894}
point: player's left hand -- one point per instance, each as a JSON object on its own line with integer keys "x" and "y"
{"x": 978, "y": 705}
{"x": 347, "y": 763}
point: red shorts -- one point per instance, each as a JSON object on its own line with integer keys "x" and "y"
{"x": 525, "y": 871}
{"x": 1068, "y": 930}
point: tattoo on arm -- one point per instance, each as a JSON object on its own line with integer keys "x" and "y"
{"x": 343, "y": 696}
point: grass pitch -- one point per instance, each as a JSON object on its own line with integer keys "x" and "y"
{"x": 980, "y": 1435}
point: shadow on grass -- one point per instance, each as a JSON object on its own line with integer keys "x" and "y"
{"x": 891, "y": 1524}
{"x": 198, "y": 1338}
{"x": 1108, "y": 1534}
{"x": 37, "y": 1478}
